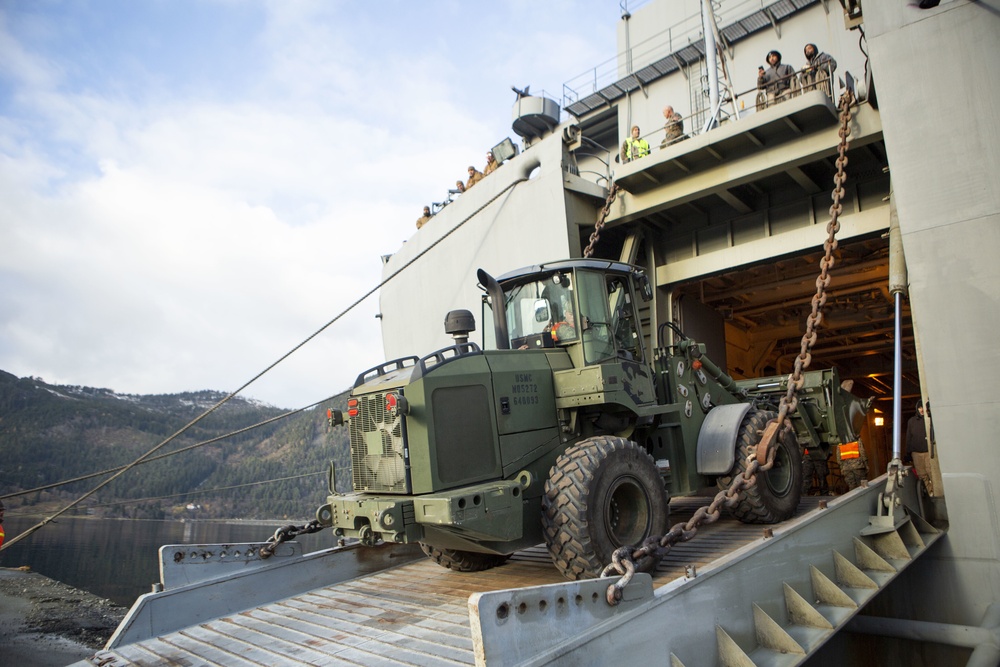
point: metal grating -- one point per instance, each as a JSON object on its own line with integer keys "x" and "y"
{"x": 782, "y": 9}
{"x": 371, "y": 465}
{"x": 755, "y": 22}
{"x": 647, "y": 74}
{"x": 691, "y": 53}
{"x": 733, "y": 32}
{"x": 612, "y": 92}
{"x": 666, "y": 65}
{"x": 629, "y": 83}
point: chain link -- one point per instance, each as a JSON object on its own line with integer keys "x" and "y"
{"x": 599, "y": 225}
{"x": 286, "y": 533}
{"x": 761, "y": 457}
{"x": 789, "y": 402}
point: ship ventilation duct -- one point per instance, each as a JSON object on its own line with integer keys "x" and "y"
{"x": 534, "y": 117}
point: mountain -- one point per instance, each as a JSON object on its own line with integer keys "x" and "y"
{"x": 53, "y": 433}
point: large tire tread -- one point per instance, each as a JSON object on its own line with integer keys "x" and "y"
{"x": 567, "y": 517}
{"x": 463, "y": 561}
{"x": 757, "y": 504}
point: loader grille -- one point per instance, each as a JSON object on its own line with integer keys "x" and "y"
{"x": 377, "y": 447}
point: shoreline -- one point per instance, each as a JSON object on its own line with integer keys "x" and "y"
{"x": 46, "y": 623}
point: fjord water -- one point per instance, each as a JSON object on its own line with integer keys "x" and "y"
{"x": 117, "y": 558}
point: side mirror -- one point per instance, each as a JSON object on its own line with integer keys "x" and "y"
{"x": 542, "y": 310}
{"x": 643, "y": 286}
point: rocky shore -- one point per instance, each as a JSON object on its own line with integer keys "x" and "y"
{"x": 44, "y": 623}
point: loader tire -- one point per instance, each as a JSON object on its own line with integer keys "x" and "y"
{"x": 602, "y": 493}
{"x": 463, "y": 561}
{"x": 776, "y": 494}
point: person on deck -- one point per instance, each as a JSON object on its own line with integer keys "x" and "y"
{"x": 634, "y": 147}
{"x": 853, "y": 463}
{"x": 474, "y": 177}
{"x": 916, "y": 445}
{"x": 422, "y": 220}
{"x": 491, "y": 164}
{"x": 778, "y": 80}
{"x": 673, "y": 128}
{"x": 819, "y": 69}
{"x": 813, "y": 465}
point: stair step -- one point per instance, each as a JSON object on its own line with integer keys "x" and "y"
{"x": 771, "y": 635}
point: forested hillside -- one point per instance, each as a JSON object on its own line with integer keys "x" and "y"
{"x": 52, "y": 433}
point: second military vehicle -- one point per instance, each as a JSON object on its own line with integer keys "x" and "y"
{"x": 568, "y": 432}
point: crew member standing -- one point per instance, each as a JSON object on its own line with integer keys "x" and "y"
{"x": 916, "y": 446}
{"x": 778, "y": 80}
{"x": 818, "y": 71}
{"x": 422, "y": 220}
{"x": 634, "y": 148}
{"x": 474, "y": 177}
{"x": 1, "y": 523}
{"x": 673, "y": 128}
{"x": 491, "y": 164}
{"x": 853, "y": 463}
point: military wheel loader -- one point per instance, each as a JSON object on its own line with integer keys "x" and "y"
{"x": 565, "y": 431}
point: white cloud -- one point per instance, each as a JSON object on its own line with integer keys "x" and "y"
{"x": 159, "y": 240}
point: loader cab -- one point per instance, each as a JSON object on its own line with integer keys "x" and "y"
{"x": 586, "y": 306}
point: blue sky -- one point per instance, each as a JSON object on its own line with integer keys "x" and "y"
{"x": 190, "y": 188}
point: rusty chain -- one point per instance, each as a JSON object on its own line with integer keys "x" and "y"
{"x": 599, "y": 225}
{"x": 286, "y": 533}
{"x": 761, "y": 457}
{"x": 789, "y": 401}
{"x": 623, "y": 560}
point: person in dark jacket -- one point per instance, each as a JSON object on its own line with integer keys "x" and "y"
{"x": 916, "y": 446}
{"x": 819, "y": 69}
{"x": 778, "y": 80}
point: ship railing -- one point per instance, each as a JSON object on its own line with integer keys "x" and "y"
{"x": 800, "y": 82}
{"x": 672, "y": 38}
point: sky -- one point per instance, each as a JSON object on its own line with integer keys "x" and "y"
{"x": 190, "y": 188}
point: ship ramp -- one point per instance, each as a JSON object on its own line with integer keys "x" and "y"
{"x": 736, "y": 594}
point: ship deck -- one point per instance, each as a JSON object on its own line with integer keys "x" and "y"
{"x": 414, "y": 614}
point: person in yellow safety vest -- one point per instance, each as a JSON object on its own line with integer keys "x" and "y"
{"x": 1, "y": 523}
{"x": 853, "y": 463}
{"x": 634, "y": 148}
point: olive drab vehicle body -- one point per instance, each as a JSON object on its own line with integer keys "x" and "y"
{"x": 574, "y": 429}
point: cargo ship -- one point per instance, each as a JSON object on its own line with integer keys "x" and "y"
{"x": 726, "y": 209}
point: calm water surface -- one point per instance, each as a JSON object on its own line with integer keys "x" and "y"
{"x": 117, "y": 559}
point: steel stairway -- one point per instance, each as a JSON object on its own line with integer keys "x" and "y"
{"x": 773, "y": 602}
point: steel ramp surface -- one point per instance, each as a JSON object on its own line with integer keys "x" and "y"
{"x": 414, "y": 614}
{"x": 772, "y": 601}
